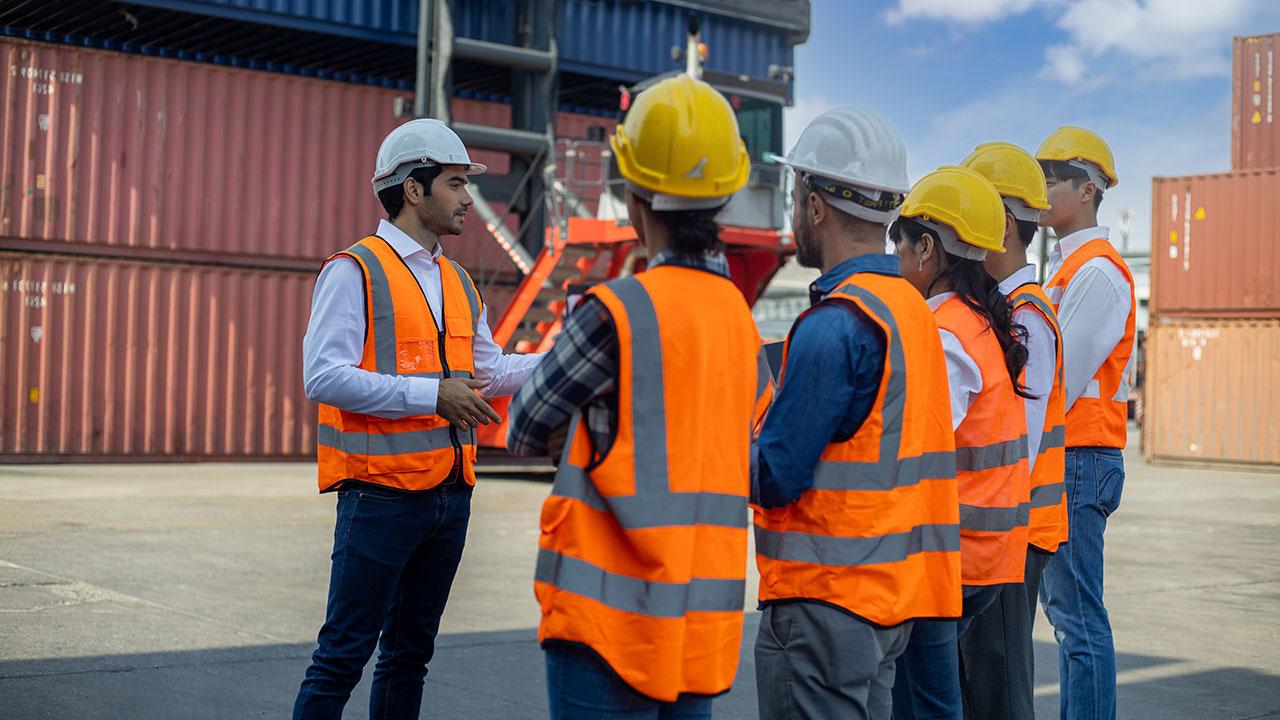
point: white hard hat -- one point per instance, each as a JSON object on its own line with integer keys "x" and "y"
{"x": 854, "y": 146}
{"x": 419, "y": 143}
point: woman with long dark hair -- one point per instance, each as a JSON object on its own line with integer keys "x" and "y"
{"x": 950, "y": 220}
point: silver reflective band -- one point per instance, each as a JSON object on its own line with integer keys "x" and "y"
{"x": 473, "y": 299}
{"x": 884, "y": 474}
{"x": 1021, "y": 296}
{"x": 401, "y": 443}
{"x": 764, "y": 375}
{"x": 384, "y": 315}
{"x": 1048, "y": 495}
{"x": 988, "y": 519}
{"x": 990, "y": 457}
{"x": 854, "y": 551}
{"x": 1054, "y": 438}
{"x": 634, "y": 595}
{"x": 637, "y": 512}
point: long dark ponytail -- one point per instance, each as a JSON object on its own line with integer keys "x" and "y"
{"x": 981, "y": 293}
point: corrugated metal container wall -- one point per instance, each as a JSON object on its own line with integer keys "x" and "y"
{"x": 1212, "y": 391}
{"x": 1255, "y": 129}
{"x": 349, "y": 17}
{"x": 635, "y": 38}
{"x": 115, "y": 358}
{"x": 1215, "y": 245}
{"x": 133, "y": 152}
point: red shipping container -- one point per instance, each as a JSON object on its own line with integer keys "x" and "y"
{"x": 103, "y": 359}
{"x": 1215, "y": 245}
{"x": 1255, "y": 129}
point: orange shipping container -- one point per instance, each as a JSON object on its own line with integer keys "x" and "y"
{"x": 1212, "y": 391}
{"x": 1255, "y": 129}
{"x": 103, "y": 359}
{"x": 1215, "y": 245}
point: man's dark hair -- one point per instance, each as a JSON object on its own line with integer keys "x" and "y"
{"x": 1026, "y": 231}
{"x": 1062, "y": 170}
{"x": 691, "y": 232}
{"x": 392, "y": 198}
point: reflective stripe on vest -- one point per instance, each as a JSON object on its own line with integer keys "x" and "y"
{"x": 991, "y": 459}
{"x": 402, "y": 338}
{"x": 1099, "y": 417}
{"x": 641, "y": 559}
{"x": 878, "y": 533}
{"x": 1047, "y": 522}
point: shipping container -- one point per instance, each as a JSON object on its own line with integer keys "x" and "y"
{"x": 1215, "y": 245}
{"x": 1255, "y": 129}
{"x": 1212, "y": 391}
{"x": 104, "y": 359}
{"x": 149, "y": 158}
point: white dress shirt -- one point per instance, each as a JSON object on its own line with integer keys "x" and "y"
{"x": 334, "y": 344}
{"x": 1092, "y": 312}
{"x": 1042, "y": 356}
{"x": 963, "y": 376}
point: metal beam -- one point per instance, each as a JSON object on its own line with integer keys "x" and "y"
{"x": 519, "y": 58}
{"x": 518, "y": 142}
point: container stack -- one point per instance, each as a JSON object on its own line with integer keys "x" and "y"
{"x": 161, "y": 225}
{"x": 1212, "y": 376}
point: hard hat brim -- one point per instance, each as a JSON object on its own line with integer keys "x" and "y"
{"x": 781, "y": 160}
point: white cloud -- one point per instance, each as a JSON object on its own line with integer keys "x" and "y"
{"x": 1169, "y": 38}
{"x": 960, "y": 11}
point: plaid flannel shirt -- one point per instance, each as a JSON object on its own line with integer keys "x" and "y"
{"x": 580, "y": 372}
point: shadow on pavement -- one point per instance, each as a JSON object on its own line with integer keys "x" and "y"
{"x": 499, "y": 675}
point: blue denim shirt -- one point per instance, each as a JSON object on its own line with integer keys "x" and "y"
{"x": 834, "y": 365}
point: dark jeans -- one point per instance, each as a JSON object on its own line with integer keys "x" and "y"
{"x": 581, "y": 686}
{"x": 997, "y": 665}
{"x": 394, "y": 558}
{"x": 1071, "y": 588}
{"x": 928, "y": 682}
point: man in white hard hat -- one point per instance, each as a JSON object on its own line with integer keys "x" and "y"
{"x": 856, "y": 457}
{"x": 397, "y": 347}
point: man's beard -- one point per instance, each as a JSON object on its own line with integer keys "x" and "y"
{"x": 808, "y": 252}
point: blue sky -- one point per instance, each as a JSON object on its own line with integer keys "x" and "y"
{"x": 1153, "y": 77}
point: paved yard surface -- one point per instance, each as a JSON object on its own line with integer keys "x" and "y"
{"x": 195, "y": 591}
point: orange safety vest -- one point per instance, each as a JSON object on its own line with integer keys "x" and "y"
{"x": 878, "y": 533}
{"x": 1048, "y": 521}
{"x": 1100, "y": 416}
{"x": 401, "y": 338}
{"x": 643, "y": 554}
{"x": 991, "y": 459}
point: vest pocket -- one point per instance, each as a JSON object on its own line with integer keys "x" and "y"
{"x": 458, "y": 343}
{"x": 416, "y": 355}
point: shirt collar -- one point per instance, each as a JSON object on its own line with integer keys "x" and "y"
{"x": 1021, "y": 276}
{"x": 1069, "y": 244}
{"x": 936, "y": 301}
{"x": 711, "y": 262}
{"x": 878, "y": 263}
{"x": 402, "y": 243}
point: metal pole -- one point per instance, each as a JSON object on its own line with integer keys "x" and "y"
{"x": 422, "y": 84}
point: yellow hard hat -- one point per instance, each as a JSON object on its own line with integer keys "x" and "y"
{"x": 1069, "y": 143}
{"x": 1014, "y": 173}
{"x": 681, "y": 138}
{"x": 963, "y": 201}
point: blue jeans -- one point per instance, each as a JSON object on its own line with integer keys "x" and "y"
{"x": 581, "y": 686}
{"x": 1071, "y": 588}
{"x": 394, "y": 558}
{"x": 928, "y": 676}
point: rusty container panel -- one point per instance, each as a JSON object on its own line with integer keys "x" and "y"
{"x": 1255, "y": 128}
{"x": 1215, "y": 245}
{"x": 1212, "y": 391}
{"x": 104, "y": 358}
{"x": 134, "y": 152}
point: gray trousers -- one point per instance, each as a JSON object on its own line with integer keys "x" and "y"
{"x": 814, "y": 661}
{"x": 997, "y": 660}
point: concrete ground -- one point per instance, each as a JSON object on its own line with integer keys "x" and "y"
{"x": 195, "y": 591}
